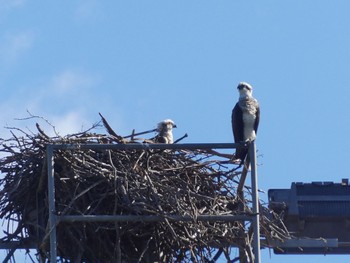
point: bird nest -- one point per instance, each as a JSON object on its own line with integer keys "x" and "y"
{"x": 163, "y": 183}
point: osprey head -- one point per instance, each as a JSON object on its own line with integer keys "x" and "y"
{"x": 245, "y": 89}
{"x": 166, "y": 125}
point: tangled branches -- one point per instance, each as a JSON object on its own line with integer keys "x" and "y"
{"x": 121, "y": 182}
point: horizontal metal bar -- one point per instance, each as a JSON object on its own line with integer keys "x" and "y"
{"x": 301, "y": 242}
{"x": 18, "y": 245}
{"x": 344, "y": 244}
{"x": 323, "y": 198}
{"x": 135, "y": 218}
{"x": 290, "y": 243}
{"x": 146, "y": 146}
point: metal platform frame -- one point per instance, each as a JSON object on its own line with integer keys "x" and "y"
{"x": 258, "y": 243}
{"x": 55, "y": 219}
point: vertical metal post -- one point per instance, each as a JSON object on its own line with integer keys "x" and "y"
{"x": 52, "y": 206}
{"x": 255, "y": 197}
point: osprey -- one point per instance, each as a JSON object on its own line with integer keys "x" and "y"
{"x": 245, "y": 118}
{"x": 165, "y": 131}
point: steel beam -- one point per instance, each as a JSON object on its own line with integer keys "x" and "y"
{"x": 135, "y": 218}
{"x": 255, "y": 199}
{"x": 26, "y": 244}
{"x": 54, "y": 219}
{"x": 303, "y": 243}
{"x": 146, "y": 146}
{"x": 52, "y": 205}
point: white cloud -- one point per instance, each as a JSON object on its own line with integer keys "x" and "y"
{"x": 69, "y": 99}
{"x": 62, "y": 99}
{"x": 70, "y": 81}
{"x": 9, "y": 4}
{"x": 64, "y": 90}
{"x": 52, "y": 124}
{"x": 70, "y": 122}
{"x": 13, "y": 46}
{"x": 87, "y": 10}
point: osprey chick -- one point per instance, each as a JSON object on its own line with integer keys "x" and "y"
{"x": 245, "y": 118}
{"x": 165, "y": 131}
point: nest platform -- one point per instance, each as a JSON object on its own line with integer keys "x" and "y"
{"x": 146, "y": 182}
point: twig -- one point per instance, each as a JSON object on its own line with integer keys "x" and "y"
{"x": 133, "y": 134}
{"x": 119, "y": 138}
{"x": 180, "y": 139}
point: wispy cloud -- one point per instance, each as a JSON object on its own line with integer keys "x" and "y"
{"x": 87, "y": 10}
{"x": 70, "y": 81}
{"x": 70, "y": 122}
{"x": 9, "y": 4}
{"x": 62, "y": 99}
{"x": 14, "y": 45}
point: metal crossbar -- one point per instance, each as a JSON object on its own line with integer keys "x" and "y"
{"x": 54, "y": 219}
{"x": 135, "y": 218}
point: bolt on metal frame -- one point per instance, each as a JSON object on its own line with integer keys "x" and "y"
{"x": 54, "y": 219}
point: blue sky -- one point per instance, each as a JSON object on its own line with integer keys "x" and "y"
{"x": 139, "y": 62}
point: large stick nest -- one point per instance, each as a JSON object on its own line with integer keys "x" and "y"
{"x": 123, "y": 182}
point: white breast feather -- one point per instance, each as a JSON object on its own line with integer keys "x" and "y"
{"x": 249, "y": 121}
{"x": 169, "y": 136}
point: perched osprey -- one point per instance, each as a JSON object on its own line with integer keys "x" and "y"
{"x": 245, "y": 118}
{"x": 165, "y": 131}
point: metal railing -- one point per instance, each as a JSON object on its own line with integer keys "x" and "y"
{"x": 54, "y": 219}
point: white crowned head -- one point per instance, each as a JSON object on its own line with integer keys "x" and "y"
{"x": 245, "y": 89}
{"x": 166, "y": 125}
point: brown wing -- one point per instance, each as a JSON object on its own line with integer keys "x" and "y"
{"x": 257, "y": 120}
{"x": 237, "y": 124}
{"x": 238, "y": 131}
